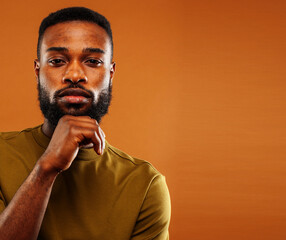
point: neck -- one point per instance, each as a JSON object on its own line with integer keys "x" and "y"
{"x": 47, "y": 128}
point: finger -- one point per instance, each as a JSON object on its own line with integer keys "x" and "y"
{"x": 90, "y": 135}
{"x": 81, "y": 119}
{"x": 102, "y": 132}
{"x": 88, "y": 130}
{"x": 78, "y": 118}
{"x": 102, "y": 136}
{"x": 90, "y": 124}
{"x": 97, "y": 143}
{"x": 99, "y": 134}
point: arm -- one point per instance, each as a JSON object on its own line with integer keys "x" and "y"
{"x": 23, "y": 216}
{"x": 154, "y": 218}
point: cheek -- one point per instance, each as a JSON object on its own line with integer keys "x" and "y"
{"x": 51, "y": 79}
{"x": 49, "y": 83}
{"x": 98, "y": 82}
{"x": 98, "y": 79}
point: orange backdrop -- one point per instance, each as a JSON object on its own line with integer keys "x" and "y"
{"x": 199, "y": 92}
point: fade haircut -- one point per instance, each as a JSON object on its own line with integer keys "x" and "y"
{"x": 73, "y": 14}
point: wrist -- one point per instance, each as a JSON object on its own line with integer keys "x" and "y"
{"x": 45, "y": 169}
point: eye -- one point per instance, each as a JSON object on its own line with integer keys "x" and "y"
{"x": 93, "y": 62}
{"x": 56, "y": 62}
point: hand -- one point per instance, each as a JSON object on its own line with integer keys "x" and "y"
{"x": 72, "y": 133}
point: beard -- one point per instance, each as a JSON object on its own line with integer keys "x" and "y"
{"x": 52, "y": 111}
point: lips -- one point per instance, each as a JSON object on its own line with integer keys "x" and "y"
{"x": 74, "y": 96}
{"x": 74, "y": 92}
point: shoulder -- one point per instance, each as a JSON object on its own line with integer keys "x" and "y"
{"x": 16, "y": 144}
{"x": 16, "y": 136}
{"x": 4, "y": 136}
{"x": 134, "y": 163}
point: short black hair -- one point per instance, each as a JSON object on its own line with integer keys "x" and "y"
{"x": 74, "y": 14}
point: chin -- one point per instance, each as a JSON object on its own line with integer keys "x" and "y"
{"x": 76, "y": 110}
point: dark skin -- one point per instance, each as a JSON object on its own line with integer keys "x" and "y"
{"x": 71, "y": 52}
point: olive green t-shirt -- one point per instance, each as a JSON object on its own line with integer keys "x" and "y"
{"x": 113, "y": 196}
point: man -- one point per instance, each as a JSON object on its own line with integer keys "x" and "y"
{"x": 62, "y": 180}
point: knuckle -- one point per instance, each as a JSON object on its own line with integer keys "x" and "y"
{"x": 65, "y": 119}
{"x": 94, "y": 122}
{"x": 72, "y": 129}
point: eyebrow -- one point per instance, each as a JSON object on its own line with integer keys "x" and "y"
{"x": 92, "y": 50}
{"x": 85, "y": 50}
{"x": 57, "y": 49}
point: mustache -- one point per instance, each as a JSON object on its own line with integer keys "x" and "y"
{"x": 72, "y": 86}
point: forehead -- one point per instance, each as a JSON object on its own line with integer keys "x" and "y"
{"x": 76, "y": 35}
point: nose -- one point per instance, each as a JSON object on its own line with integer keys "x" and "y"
{"x": 74, "y": 74}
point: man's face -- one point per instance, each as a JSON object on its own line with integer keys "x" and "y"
{"x": 74, "y": 71}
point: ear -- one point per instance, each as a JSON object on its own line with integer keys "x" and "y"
{"x": 112, "y": 71}
{"x": 37, "y": 68}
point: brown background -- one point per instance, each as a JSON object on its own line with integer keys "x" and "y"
{"x": 199, "y": 92}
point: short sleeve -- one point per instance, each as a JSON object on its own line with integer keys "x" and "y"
{"x": 154, "y": 218}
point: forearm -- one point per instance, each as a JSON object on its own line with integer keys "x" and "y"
{"x": 23, "y": 216}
